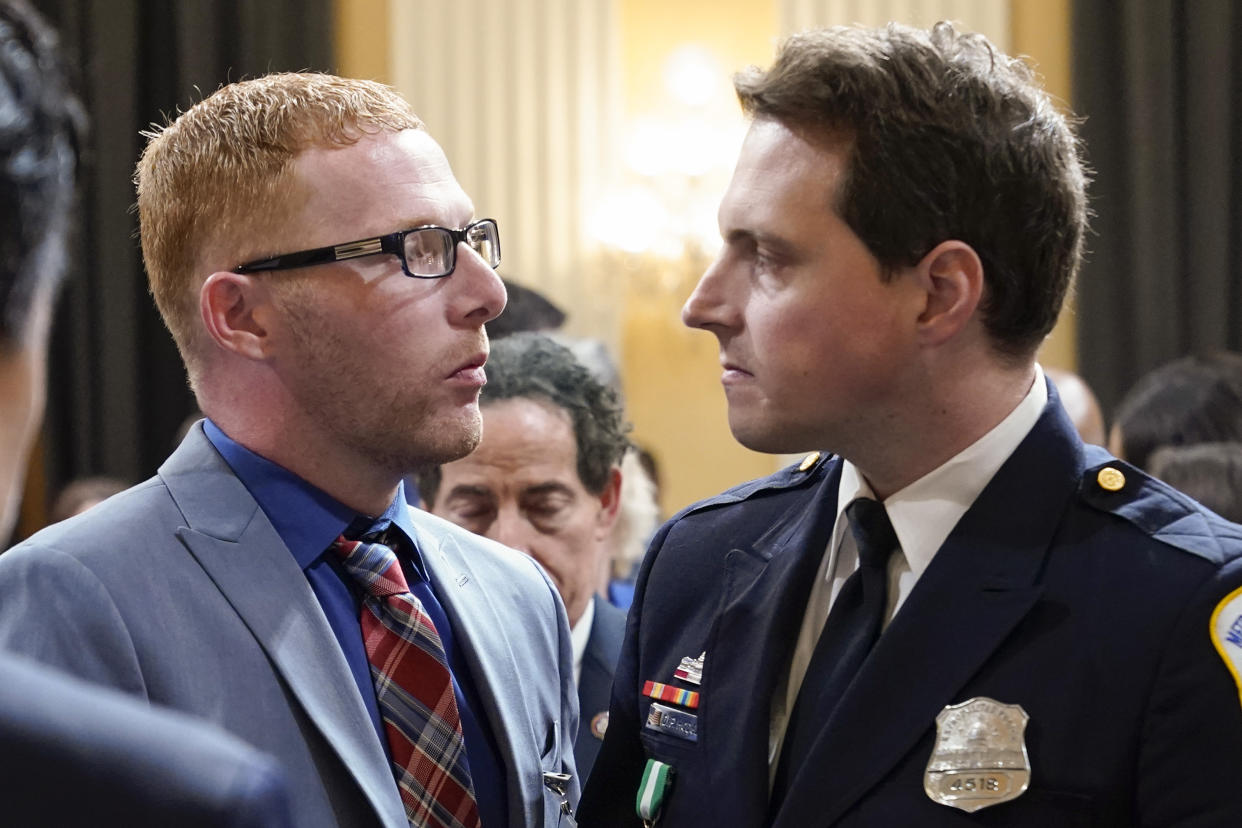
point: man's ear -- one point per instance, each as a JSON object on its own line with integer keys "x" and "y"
{"x": 952, "y": 275}
{"x": 610, "y": 504}
{"x": 231, "y": 307}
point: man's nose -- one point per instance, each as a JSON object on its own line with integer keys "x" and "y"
{"x": 704, "y": 308}
{"x": 481, "y": 293}
{"x": 513, "y": 530}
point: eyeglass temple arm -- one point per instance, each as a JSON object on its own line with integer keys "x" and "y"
{"x": 333, "y": 253}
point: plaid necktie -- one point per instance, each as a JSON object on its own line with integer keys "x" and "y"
{"x": 415, "y": 691}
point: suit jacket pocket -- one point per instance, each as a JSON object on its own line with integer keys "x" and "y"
{"x": 669, "y": 749}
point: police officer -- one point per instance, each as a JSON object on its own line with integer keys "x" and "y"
{"x": 962, "y": 615}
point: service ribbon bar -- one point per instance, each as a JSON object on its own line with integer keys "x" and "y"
{"x": 665, "y": 692}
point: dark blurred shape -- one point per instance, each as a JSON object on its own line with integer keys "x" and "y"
{"x": 82, "y": 494}
{"x": 527, "y": 310}
{"x": 1195, "y": 399}
{"x": 1211, "y": 473}
{"x": 1080, "y": 403}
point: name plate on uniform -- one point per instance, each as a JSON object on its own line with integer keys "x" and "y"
{"x": 673, "y": 722}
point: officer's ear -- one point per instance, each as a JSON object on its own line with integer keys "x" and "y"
{"x": 951, "y": 275}
{"x": 235, "y": 308}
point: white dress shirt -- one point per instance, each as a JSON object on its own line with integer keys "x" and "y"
{"x": 579, "y": 636}
{"x": 923, "y": 514}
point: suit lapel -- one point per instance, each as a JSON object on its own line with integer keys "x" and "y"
{"x": 763, "y": 602}
{"x": 241, "y": 552}
{"x": 599, "y": 663}
{"x": 483, "y": 636}
{"x": 979, "y": 586}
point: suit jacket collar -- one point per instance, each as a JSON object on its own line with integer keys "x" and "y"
{"x": 979, "y": 586}
{"x": 235, "y": 543}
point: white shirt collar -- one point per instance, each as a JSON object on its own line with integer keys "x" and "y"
{"x": 580, "y": 635}
{"x": 925, "y": 512}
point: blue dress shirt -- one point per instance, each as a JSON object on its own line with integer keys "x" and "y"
{"x": 308, "y": 521}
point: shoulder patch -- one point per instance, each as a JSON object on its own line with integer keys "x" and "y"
{"x": 1226, "y": 631}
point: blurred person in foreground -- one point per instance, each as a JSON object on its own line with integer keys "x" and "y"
{"x": 326, "y": 281}
{"x": 964, "y": 616}
{"x": 546, "y": 480}
{"x": 71, "y": 752}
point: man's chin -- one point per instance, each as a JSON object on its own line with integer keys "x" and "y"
{"x": 456, "y": 441}
{"x": 767, "y": 437}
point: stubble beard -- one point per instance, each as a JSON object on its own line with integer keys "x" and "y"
{"x": 409, "y": 438}
{"x": 391, "y": 425}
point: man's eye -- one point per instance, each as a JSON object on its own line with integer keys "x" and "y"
{"x": 545, "y": 512}
{"x": 471, "y": 515}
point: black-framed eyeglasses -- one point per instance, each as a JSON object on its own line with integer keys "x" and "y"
{"x": 428, "y": 252}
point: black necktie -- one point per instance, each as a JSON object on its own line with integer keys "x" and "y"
{"x": 850, "y": 632}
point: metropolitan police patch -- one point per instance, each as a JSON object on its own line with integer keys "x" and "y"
{"x": 1226, "y": 632}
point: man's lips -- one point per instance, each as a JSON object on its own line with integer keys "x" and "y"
{"x": 731, "y": 371}
{"x": 471, "y": 370}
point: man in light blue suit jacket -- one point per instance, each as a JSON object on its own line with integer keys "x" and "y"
{"x": 327, "y": 283}
{"x": 73, "y": 753}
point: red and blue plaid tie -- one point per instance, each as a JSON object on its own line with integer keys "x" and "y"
{"x": 415, "y": 692}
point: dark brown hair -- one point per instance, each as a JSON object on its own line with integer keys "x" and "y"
{"x": 949, "y": 139}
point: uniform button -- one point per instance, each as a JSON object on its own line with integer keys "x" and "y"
{"x": 1110, "y": 479}
{"x": 808, "y": 461}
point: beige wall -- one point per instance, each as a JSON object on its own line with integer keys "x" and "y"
{"x": 1041, "y": 30}
{"x": 633, "y": 301}
{"x": 361, "y": 29}
{"x": 672, "y": 374}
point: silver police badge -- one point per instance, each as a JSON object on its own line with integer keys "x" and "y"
{"x": 980, "y": 755}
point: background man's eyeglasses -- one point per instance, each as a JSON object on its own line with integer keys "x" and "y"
{"x": 428, "y": 252}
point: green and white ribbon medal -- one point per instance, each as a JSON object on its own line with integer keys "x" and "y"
{"x": 657, "y": 777}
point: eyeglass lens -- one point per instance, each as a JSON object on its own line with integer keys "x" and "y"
{"x": 431, "y": 251}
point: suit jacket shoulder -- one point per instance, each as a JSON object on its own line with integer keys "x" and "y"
{"x": 180, "y": 591}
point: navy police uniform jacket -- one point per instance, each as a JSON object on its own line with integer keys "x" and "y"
{"x": 1084, "y": 598}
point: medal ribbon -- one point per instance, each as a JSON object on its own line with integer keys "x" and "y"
{"x": 651, "y": 791}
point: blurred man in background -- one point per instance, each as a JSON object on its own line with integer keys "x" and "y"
{"x": 1191, "y": 400}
